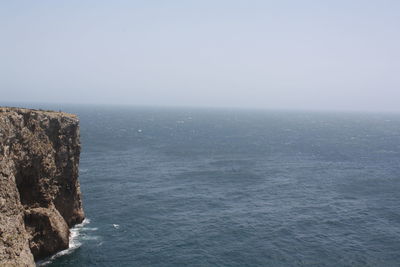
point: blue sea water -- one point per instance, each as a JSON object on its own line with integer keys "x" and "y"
{"x": 193, "y": 187}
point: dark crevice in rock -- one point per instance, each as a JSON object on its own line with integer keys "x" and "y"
{"x": 26, "y": 180}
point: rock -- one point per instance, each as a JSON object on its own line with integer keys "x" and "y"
{"x": 40, "y": 195}
{"x": 48, "y": 231}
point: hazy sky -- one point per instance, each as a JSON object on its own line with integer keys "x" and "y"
{"x": 263, "y": 54}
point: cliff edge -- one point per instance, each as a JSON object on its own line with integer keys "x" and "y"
{"x": 40, "y": 196}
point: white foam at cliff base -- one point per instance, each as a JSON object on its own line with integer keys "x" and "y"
{"x": 73, "y": 243}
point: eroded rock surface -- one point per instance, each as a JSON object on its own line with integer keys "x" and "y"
{"x": 40, "y": 196}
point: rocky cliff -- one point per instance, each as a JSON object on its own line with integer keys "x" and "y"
{"x": 40, "y": 196}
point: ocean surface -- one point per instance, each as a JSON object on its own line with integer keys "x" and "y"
{"x": 198, "y": 187}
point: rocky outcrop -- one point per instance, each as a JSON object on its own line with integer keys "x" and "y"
{"x": 40, "y": 196}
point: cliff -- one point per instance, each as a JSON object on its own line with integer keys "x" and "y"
{"x": 40, "y": 196}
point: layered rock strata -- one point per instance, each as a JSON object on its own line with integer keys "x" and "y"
{"x": 40, "y": 196}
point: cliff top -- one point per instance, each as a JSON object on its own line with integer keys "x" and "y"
{"x": 50, "y": 113}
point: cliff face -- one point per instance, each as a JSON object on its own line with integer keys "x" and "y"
{"x": 40, "y": 196}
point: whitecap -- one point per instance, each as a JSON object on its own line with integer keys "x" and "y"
{"x": 89, "y": 237}
{"x": 116, "y": 226}
{"x": 90, "y": 229}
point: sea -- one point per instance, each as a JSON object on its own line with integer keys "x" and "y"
{"x": 234, "y": 187}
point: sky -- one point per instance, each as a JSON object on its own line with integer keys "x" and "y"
{"x": 313, "y": 55}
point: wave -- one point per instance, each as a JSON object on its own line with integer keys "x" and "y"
{"x": 73, "y": 242}
{"x": 83, "y": 170}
